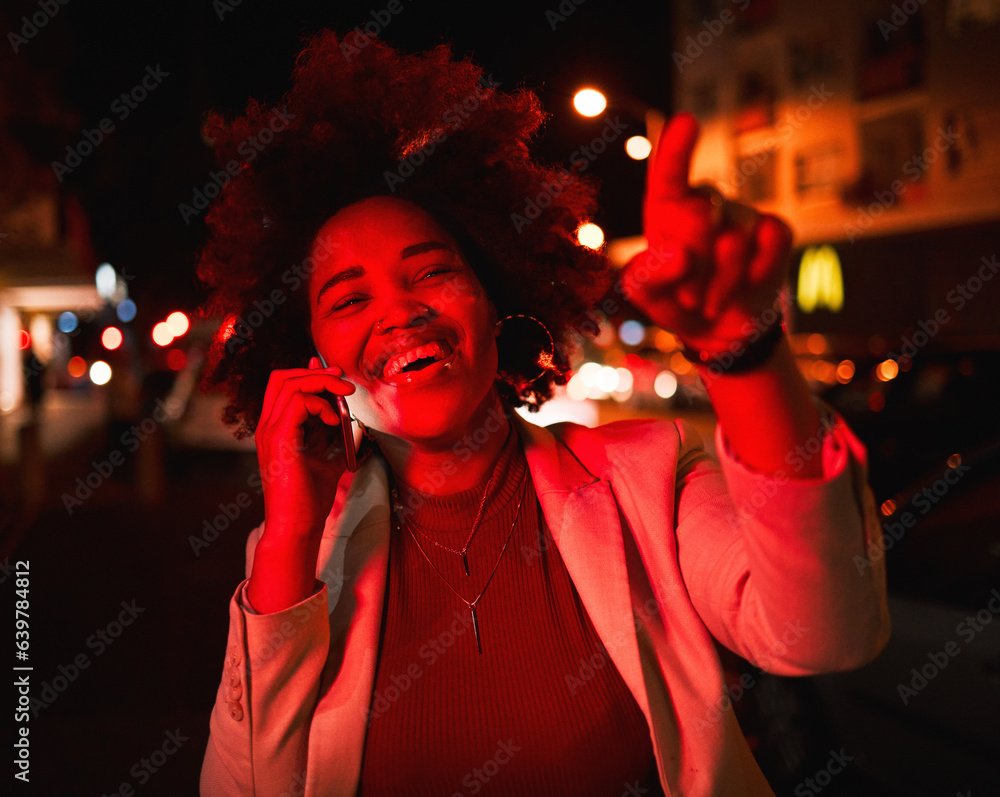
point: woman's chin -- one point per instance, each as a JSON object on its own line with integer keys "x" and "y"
{"x": 433, "y": 415}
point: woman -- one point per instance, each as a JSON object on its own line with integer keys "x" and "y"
{"x": 486, "y": 605}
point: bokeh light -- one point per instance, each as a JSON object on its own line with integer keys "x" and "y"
{"x": 77, "y": 367}
{"x": 162, "y": 336}
{"x": 178, "y": 323}
{"x": 112, "y": 338}
{"x": 845, "y": 371}
{"x": 665, "y": 341}
{"x": 638, "y": 148}
{"x": 106, "y": 280}
{"x": 100, "y": 372}
{"x": 589, "y": 102}
{"x": 632, "y": 332}
{"x": 125, "y": 310}
{"x": 67, "y": 322}
{"x": 886, "y": 370}
{"x": 590, "y": 235}
{"x": 176, "y": 359}
{"x": 816, "y": 344}
{"x": 665, "y": 384}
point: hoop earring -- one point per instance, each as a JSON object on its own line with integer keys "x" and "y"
{"x": 545, "y": 359}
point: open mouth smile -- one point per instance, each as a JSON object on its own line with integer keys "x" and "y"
{"x": 417, "y": 358}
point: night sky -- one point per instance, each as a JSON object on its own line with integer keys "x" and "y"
{"x": 217, "y": 55}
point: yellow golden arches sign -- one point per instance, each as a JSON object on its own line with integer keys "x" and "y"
{"x": 821, "y": 283}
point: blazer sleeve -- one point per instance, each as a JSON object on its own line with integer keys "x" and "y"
{"x": 785, "y": 571}
{"x": 259, "y": 727}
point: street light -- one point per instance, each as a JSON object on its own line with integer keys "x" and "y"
{"x": 591, "y": 102}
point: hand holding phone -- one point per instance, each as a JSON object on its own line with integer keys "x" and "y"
{"x": 346, "y": 428}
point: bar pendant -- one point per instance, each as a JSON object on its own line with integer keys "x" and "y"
{"x": 475, "y": 627}
{"x": 465, "y": 562}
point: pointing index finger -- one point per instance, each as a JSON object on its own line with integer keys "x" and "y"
{"x": 669, "y": 168}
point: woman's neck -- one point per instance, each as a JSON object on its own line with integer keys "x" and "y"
{"x": 458, "y": 462}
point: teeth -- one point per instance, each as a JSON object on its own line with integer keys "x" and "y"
{"x": 395, "y": 364}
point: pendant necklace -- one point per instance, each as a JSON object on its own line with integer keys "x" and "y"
{"x": 475, "y": 603}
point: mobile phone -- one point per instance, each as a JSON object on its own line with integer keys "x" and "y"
{"x": 346, "y": 428}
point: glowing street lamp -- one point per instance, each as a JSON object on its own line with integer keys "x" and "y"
{"x": 590, "y": 235}
{"x": 589, "y": 102}
{"x": 638, "y": 147}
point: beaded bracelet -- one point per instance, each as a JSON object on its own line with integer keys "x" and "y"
{"x": 740, "y": 357}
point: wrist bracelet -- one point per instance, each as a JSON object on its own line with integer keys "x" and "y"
{"x": 742, "y": 356}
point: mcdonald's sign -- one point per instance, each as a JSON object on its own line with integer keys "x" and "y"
{"x": 821, "y": 282}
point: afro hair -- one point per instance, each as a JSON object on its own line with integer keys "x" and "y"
{"x": 362, "y": 119}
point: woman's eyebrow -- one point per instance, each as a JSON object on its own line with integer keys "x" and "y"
{"x": 351, "y": 273}
{"x": 356, "y": 272}
{"x": 426, "y": 246}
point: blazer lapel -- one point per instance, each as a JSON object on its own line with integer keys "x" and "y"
{"x": 354, "y": 562}
{"x": 583, "y": 518}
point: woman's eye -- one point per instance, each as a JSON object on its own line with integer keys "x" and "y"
{"x": 435, "y": 271}
{"x": 346, "y": 303}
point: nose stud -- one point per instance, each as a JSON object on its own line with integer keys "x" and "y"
{"x": 424, "y": 311}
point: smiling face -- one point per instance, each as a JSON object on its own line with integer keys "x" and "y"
{"x": 394, "y": 303}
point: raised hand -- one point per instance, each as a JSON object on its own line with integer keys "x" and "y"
{"x": 712, "y": 268}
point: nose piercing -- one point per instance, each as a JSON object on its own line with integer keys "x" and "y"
{"x": 425, "y": 311}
